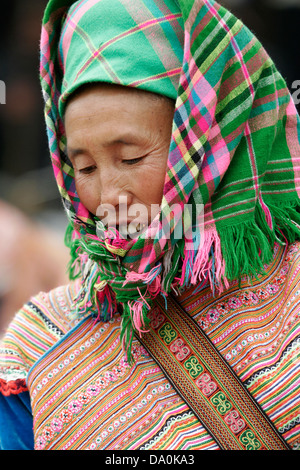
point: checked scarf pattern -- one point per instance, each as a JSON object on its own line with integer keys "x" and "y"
{"x": 234, "y": 148}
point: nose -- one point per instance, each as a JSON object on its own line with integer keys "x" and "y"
{"x": 109, "y": 195}
{"x": 112, "y": 195}
{"x": 109, "y": 185}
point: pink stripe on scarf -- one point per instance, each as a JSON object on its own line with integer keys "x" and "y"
{"x": 293, "y": 143}
{"x": 81, "y": 9}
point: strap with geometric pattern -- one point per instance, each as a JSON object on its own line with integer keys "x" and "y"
{"x": 206, "y": 382}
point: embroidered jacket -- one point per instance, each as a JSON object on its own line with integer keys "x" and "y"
{"x": 69, "y": 386}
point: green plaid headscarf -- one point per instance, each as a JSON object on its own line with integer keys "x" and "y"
{"x": 234, "y": 148}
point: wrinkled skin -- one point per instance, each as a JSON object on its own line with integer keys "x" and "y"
{"x": 118, "y": 141}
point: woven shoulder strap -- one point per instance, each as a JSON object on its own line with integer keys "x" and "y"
{"x": 206, "y": 382}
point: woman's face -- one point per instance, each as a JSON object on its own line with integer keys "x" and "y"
{"x": 118, "y": 142}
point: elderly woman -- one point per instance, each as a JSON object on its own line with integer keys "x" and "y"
{"x": 175, "y": 146}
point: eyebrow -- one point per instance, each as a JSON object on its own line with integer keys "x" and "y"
{"x": 74, "y": 152}
{"x": 129, "y": 139}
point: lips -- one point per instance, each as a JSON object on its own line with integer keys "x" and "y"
{"x": 127, "y": 228}
{"x": 132, "y": 229}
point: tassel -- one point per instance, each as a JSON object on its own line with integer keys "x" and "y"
{"x": 223, "y": 254}
{"x": 206, "y": 261}
{"x": 134, "y": 317}
{"x": 146, "y": 278}
{"x": 287, "y": 220}
{"x": 138, "y": 313}
{"x": 105, "y": 301}
{"x": 267, "y": 212}
{"x": 135, "y": 312}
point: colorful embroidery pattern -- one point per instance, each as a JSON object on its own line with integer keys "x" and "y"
{"x": 36, "y": 327}
{"x": 137, "y": 406}
{"x": 234, "y": 414}
{"x": 260, "y": 340}
{"x": 103, "y": 388}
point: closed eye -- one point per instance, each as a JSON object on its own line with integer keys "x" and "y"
{"x": 133, "y": 161}
{"x": 87, "y": 170}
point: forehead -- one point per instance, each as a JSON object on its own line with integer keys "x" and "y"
{"x": 111, "y": 109}
{"x": 115, "y": 97}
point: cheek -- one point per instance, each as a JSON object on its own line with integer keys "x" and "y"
{"x": 87, "y": 193}
{"x": 151, "y": 184}
{"x": 156, "y": 187}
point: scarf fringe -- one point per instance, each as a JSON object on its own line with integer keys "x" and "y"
{"x": 230, "y": 254}
{"x": 248, "y": 247}
{"x": 206, "y": 262}
{"x": 135, "y": 313}
{"x": 240, "y": 250}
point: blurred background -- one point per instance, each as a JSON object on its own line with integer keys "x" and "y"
{"x": 32, "y": 221}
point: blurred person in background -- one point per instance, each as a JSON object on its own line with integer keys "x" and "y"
{"x": 23, "y": 144}
{"x": 26, "y": 187}
{"x": 33, "y": 258}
